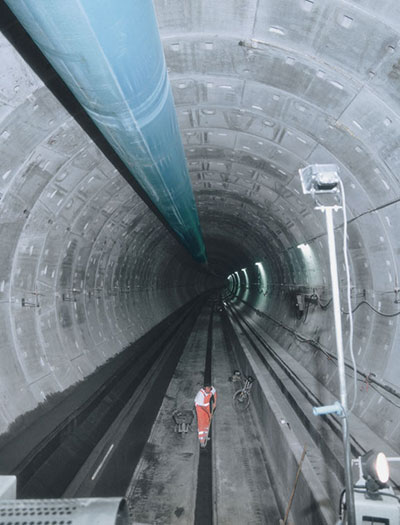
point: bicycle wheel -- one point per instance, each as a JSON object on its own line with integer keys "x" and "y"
{"x": 241, "y": 400}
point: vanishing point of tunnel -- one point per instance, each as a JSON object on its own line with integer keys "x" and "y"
{"x": 155, "y": 236}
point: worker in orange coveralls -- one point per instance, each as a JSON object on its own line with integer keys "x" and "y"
{"x": 205, "y": 403}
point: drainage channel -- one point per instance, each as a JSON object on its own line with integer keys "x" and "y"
{"x": 203, "y": 514}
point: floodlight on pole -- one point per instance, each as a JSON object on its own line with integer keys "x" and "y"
{"x": 318, "y": 179}
{"x": 375, "y": 500}
{"x": 375, "y": 466}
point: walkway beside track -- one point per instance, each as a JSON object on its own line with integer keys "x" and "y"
{"x": 243, "y": 491}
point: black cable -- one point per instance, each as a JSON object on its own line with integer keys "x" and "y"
{"x": 385, "y": 397}
{"x": 327, "y": 354}
{"x": 383, "y": 314}
{"x": 325, "y": 306}
{"x": 341, "y": 506}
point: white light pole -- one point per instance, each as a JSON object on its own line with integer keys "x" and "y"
{"x": 336, "y": 301}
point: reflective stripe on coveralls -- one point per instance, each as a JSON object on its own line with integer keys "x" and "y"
{"x": 203, "y": 422}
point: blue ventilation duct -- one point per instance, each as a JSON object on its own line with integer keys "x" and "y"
{"x": 110, "y": 55}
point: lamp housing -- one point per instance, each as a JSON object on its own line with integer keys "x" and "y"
{"x": 320, "y": 178}
{"x": 375, "y": 468}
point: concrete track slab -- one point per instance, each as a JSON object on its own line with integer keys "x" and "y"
{"x": 163, "y": 487}
{"x": 243, "y": 492}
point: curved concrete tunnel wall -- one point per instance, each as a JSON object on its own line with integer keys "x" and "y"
{"x": 76, "y": 241}
{"x": 261, "y": 89}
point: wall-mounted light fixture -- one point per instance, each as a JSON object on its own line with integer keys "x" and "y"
{"x": 320, "y": 178}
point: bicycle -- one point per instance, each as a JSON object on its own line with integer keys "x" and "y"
{"x": 241, "y": 398}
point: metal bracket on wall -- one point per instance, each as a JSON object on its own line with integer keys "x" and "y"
{"x": 70, "y": 295}
{"x": 30, "y": 303}
{"x": 95, "y": 292}
{"x": 357, "y": 292}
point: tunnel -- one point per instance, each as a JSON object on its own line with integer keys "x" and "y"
{"x": 109, "y": 323}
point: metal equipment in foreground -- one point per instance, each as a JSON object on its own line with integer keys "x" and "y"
{"x": 318, "y": 179}
{"x": 98, "y": 511}
{"x": 183, "y": 421}
{"x": 101, "y": 511}
{"x": 374, "y": 499}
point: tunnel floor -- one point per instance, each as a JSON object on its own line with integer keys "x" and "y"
{"x": 163, "y": 488}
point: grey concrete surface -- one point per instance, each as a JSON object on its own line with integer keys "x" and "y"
{"x": 242, "y": 485}
{"x": 164, "y": 485}
{"x": 261, "y": 88}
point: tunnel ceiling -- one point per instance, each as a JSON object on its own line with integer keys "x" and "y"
{"x": 262, "y": 88}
